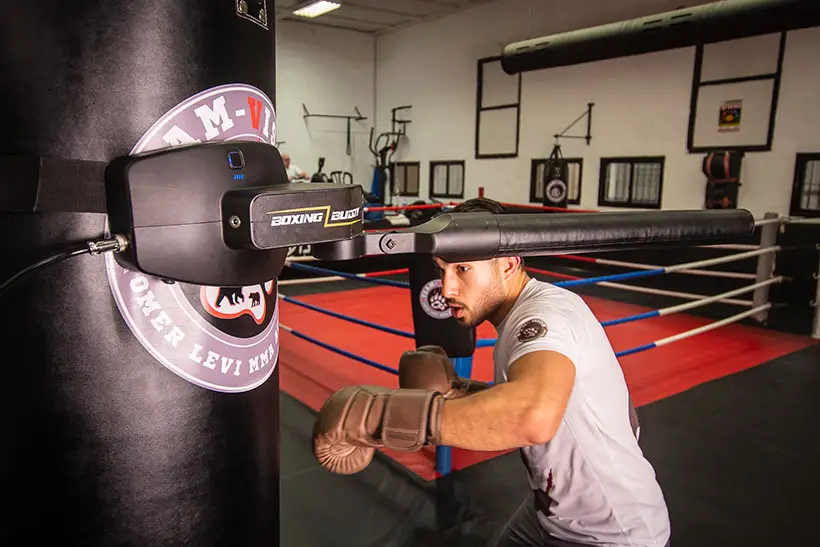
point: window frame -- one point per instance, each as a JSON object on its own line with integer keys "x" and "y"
{"x": 800, "y": 162}
{"x": 698, "y": 82}
{"x": 448, "y": 163}
{"x": 396, "y": 165}
{"x": 480, "y": 109}
{"x": 632, "y": 160}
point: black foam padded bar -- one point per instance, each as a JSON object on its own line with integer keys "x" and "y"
{"x": 481, "y": 236}
{"x": 469, "y": 235}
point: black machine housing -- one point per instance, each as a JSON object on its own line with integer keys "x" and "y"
{"x": 221, "y": 213}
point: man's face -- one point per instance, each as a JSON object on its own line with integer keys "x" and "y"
{"x": 473, "y": 290}
{"x": 286, "y": 160}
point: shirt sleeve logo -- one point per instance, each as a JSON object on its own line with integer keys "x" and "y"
{"x": 532, "y": 329}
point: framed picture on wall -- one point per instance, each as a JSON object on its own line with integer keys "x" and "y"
{"x": 735, "y": 87}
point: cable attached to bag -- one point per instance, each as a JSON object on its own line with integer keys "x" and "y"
{"x": 116, "y": 244}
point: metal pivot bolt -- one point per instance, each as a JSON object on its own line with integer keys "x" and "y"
{"x": 234, "y": 221}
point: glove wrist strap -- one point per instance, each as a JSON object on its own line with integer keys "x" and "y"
{"x": 408, "y": 416}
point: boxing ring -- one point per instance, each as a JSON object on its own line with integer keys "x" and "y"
{"x": 623, "y": 322}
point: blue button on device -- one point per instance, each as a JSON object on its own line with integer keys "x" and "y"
{"x": 236, "y": 160}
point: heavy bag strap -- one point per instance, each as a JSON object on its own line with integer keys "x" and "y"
{"x": 37, "y": 184}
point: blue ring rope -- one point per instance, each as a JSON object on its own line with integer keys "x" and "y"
{"x": 481, "y": 343}
{"x": 359, "y": 358}
{"x": 348, "y": 318}
{"x": 613, "y": 277}
{"x": 637, "y": 317}
{"x": 374, "y": 280}
{"x": 636, "y": 350}
{"x": 490, "y": 342}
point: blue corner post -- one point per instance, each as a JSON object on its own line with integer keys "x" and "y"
{"x": 444, "y": 454}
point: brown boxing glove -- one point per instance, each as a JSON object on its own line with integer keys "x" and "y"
{"x": 356, "y": 420}
{"x": 429, "y": 368}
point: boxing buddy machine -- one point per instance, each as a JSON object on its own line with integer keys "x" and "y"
{"x": 145, "y": 216}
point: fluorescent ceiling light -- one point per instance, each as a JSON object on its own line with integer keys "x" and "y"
{"x": 316, "y": 9}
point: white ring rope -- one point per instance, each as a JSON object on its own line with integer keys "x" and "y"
{"x": 708, "y": 273}
{"x": 306, "y": 280}
{"x": 662, "y": 292}
{"x": 731, "y": 246}
{"x": 721, "y": 260}
{"x": 691, "y": 305}
{"x": 711, "y": 326}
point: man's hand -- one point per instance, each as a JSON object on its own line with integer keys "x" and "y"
{"x": 356, "y": 420}
{"x": 429, "y": 368}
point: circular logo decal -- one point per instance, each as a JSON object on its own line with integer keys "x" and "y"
{"x": 224, "y": 113}
{"x": 220, "y": 338}
{"x": 432, "y": 301}
{"x": 556, "y": 190}
{"x": 532, "y": 329}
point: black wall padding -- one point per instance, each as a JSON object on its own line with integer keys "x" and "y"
{"x": 715, "y": 22}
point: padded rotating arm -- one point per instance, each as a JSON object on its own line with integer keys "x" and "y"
{"x": 481, "y": 236}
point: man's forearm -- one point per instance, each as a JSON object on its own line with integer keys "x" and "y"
{"x": 503, "y": 417}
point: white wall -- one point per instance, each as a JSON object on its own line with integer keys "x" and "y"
{"x": 331, "y": 71}
{"x": 642, "y": 103}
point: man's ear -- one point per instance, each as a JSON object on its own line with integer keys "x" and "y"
{"x": 509, "y": 265}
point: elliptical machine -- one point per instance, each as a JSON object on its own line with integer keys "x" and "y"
{"x": 383, "y": 147}
{"x": 318, "y": 176}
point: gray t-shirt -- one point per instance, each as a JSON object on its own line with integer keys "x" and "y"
{"x": 592, "y": 482}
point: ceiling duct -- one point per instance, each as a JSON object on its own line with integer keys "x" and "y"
{"x": 715, "y": 22}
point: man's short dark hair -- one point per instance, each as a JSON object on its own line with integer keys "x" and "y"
{"x": 479, "y": 205}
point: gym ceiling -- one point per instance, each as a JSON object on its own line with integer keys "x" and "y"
{"x": 376, "y": 16}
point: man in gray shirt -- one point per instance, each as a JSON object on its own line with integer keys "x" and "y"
{"x": 559, "y": 396}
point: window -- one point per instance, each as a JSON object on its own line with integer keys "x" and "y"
{"x": 406, "y": 178}
{"x": 447, "y": 179}
{"x": 574, "y": 168}
{"x": 498, "y": 111}
{"x": 806, "y": 190}
{"x": 631, "y": 182}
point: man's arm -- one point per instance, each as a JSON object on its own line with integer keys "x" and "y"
{"x": 524, "y": 411}
{"x": 300, "y": 173}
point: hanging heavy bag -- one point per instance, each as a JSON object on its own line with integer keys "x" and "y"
{"x": 556, "y": 177}
{"x": 722, "y": 170}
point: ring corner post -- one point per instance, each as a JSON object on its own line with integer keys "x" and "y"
{"x": 815, "y": 332}
{"x": 765, "y": 265}
{"x": 444, "y": 454}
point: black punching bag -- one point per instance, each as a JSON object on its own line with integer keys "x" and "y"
{"x": 722, "y": 170}
{"x": 433, "y": 322}
{"x": 132, "y": 411}
{"x": 556, "y": 175}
